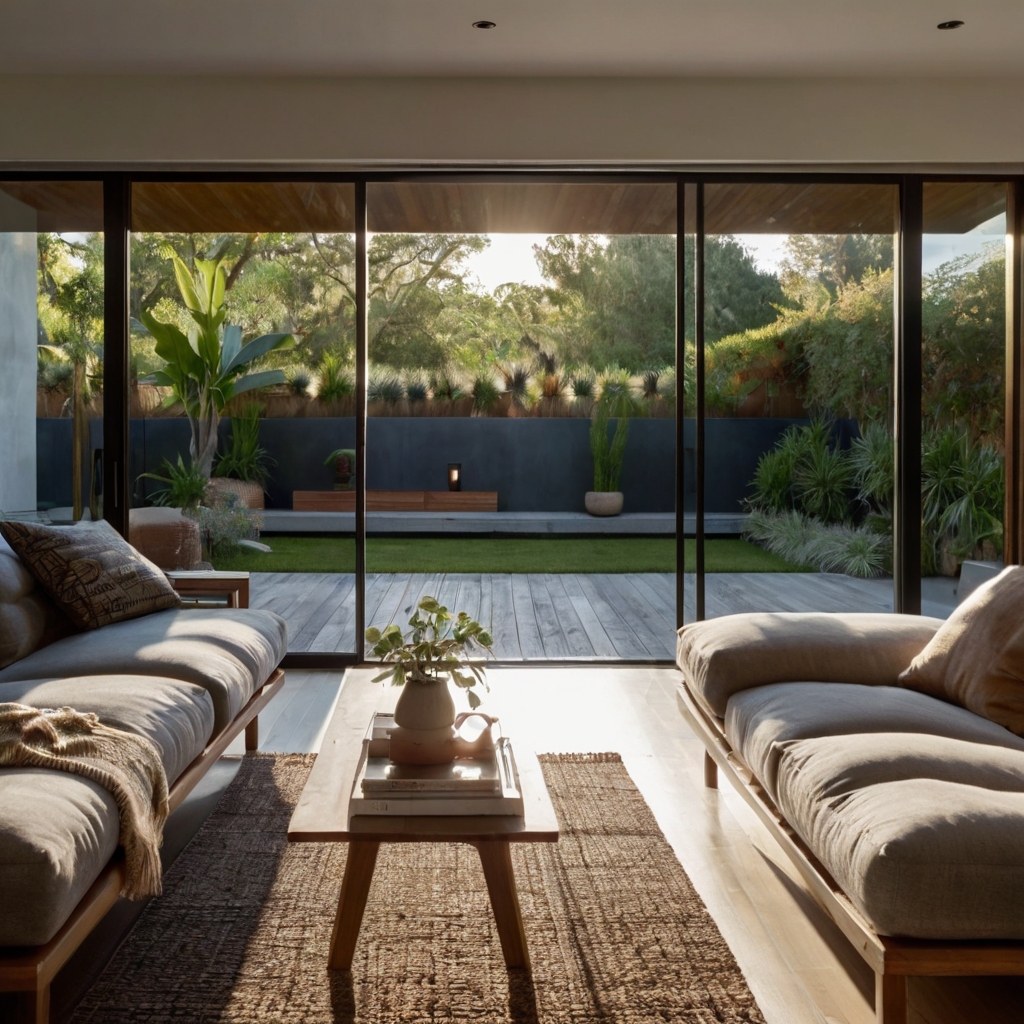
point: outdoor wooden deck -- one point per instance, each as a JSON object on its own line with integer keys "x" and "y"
{"x": 627, "y": 616}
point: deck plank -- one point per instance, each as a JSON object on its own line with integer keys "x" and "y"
{"x": 546, "y": 616}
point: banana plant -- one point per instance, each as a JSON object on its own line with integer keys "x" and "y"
{"x": 206, "y": 368}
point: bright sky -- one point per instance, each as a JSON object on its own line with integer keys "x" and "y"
{"x": 510, "y": 257}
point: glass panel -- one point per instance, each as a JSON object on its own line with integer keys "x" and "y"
{"x": 964, "y": 380}
{"x": 499, "y": 316}
{"x": 687, "y": 464}
{"x": 799, "y": 320}
{"x": 282, "y": 258}
{"x": 51, "y": 339}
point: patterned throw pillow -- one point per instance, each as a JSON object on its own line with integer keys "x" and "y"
{"x": 93, "y": 574}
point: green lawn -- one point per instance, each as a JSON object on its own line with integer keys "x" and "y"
{"x": 306, "y": 553}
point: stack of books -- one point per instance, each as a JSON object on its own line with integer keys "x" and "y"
{"x": 488, "y": 785}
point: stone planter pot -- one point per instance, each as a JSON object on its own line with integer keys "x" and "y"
{"x": 603, "y": 503}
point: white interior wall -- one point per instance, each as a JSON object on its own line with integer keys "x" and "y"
{"x": 17, "y": 356}
{"x": 379, "y": 121}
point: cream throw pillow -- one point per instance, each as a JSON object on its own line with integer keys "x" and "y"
{"x": 93, "y": 575}
{"x": 976, "y": 659}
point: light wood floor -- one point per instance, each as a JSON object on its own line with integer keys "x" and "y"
{"x": 798, "y": 965}
{"x": 621, "y": 616}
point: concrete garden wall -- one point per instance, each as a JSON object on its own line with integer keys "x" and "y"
{"x": 535, "y": 465}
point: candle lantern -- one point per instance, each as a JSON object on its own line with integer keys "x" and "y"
{"x": 454, "y": 476}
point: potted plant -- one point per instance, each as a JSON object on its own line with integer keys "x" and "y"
{"x": 344, "y": 461}
{"x": 208, "y": 367}
{"x": 616, "y": 401}
{"x": 242, "y": 469}
{"x": 434, "y": 653}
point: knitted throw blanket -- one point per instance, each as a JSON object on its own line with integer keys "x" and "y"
{"x": 128, "y": 766}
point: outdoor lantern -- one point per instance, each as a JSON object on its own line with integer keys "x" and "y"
{"x": 454, "y": 476}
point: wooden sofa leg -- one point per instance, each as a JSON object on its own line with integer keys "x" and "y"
{"x": 252, "y": 734}
{"x": 33, "y": 1007}
{"x": 710, "y": 772}
{"x": 891, "y": 999}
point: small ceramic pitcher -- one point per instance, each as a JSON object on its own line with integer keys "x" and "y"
{"x": 427, "y": 730}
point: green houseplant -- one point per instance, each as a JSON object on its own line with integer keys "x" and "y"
{"x": 423, "y": 661}
{"x": 208, "y": 367}
{"x": 242, "y": 469}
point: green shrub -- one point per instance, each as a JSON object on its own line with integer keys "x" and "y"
{"x": 300, "y": 383}
{"x": 185, "y": 484}
{"x": 334, "y": 380}
{"x": 822, "y": 478}
{"x": 384, "y": 386}
{"x": 873, "y": 459}
{"x": 244, "y": 458}
{"x": 485, "y": 393}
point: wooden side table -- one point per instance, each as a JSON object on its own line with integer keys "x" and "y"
{"x": 199, "y": 585}
{"x": 321, "y": 816}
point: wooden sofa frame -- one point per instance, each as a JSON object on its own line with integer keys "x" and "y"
{"x": 29, "y": 972}
{"x": 894, "y": 961}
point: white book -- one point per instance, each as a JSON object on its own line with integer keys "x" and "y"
{"x": 476, "y": 776}
{"x": 509, "y": 799}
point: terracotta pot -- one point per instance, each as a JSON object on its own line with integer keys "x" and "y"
{"x": 603, "y": 503}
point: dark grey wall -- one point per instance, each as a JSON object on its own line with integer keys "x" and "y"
{"x": 535, "y": 465}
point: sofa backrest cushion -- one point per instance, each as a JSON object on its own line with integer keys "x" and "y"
{"x": 28, "y": 618}
{"x": 976, "y": 659}
{"x": 93, "y": 574}
{"x": 723, "y": 656}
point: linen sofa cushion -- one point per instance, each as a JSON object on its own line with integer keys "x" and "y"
{"x": 723, "y": 656}
{"x": 177, "y": 717}
{"x": 90, "y": 571}
{"x": 976, "y": 659}
{"x": 925, "y": 834}
{"x": 28, "y": 618}
{"x": 57, "y": 832}
{"x": 761, "y": 722}
{"x": 228, "y": 652}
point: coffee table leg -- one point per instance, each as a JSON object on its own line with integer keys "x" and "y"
{"x": 362, "y": 856}
{"x": 496, "y": 858}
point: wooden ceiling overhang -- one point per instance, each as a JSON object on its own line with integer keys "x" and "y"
{"x": 600, "y": 208}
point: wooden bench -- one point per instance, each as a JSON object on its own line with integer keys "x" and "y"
{"x": 396, "y": 501}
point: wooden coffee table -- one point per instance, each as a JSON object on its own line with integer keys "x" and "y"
{"x": 322, "y": 817}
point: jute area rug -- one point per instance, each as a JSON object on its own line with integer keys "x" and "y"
{"x": 615, "y": 929}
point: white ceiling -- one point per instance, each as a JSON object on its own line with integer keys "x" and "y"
{"x": 533, "y": 37}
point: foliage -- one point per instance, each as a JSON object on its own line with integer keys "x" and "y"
{"x": 225, "y": 524}
{"x": 435, "y": 648}
{"x": 963, "y": 489}
{"x": 416, "y": 389}
{"x": 873, "y": 461}
{"x": 205, "y": 369}
{"x": 485, "y": 392}
{"x": 245, "y": 459}
{"x": 617, "y": 400}
{"x": 853, "y": 550}
{"x": 334, "y": 380}
{"x": 963, "y": 357}
{"x": 804, "y": 471}
{"x": 385, "y": 386}
{"x": 185, "y": 484}
{"x": 300, "y": 383}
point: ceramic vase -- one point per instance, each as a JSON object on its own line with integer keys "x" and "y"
{"x": 426, "y": 726}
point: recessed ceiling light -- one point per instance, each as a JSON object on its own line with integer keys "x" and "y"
{"x": 947, "y": 25}
{"x": 484, "y": 24}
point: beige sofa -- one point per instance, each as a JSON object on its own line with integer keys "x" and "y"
{"x": 904, "y": 813}
{"x": 188, "y": 680}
